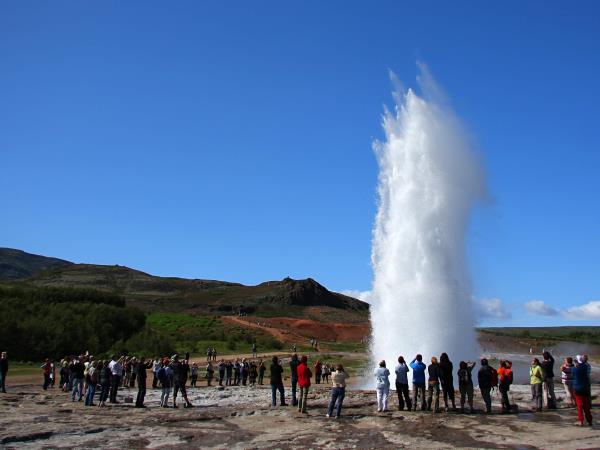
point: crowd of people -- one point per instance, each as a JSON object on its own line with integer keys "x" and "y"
{"x": 85, "y": 378}
{"x": 428, "y": 381}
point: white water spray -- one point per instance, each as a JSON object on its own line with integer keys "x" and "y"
{"x": 429, "y": 181}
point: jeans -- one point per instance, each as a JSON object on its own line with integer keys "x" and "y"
{"x": 77, "y": 386}
{"x": 337, "y": 395}
{"x": 221, "y": 377}
{"x": 419, "y": 388}
{"x": 433, "y": 395}
{"x": 383, "y": 393}
{"x": 274, "y": 389}
{"x": 403, "y": 396}
{"x": 294, "y": 384}
{"x": 536, "y": 394}
{"x": 89, "y": 396}
{"x": 487, "y": 397}
{"x": 164, "y": 396}
{"x": 302, "y": 398}
{"x": 2, "y": 382}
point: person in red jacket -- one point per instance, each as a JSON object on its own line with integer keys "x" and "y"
{"x": 46, "y": 370}
{"x": 304, "y": 376}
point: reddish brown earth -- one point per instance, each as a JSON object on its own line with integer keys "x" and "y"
{"x": 288, "y": 329}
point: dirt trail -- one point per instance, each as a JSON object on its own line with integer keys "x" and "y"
{"x": 287, "y": 336}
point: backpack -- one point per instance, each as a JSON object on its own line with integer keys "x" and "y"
{"x": 494, "y": 377}
{"x": 463, "y": 377}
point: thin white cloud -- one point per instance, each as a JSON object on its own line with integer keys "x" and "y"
{"x": 365, "y": 296}
{"x": 540, "y": 308}
{"x": 491, "y": 308}
{"x": 588, "y": 311}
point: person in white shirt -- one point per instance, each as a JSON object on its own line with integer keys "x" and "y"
{"x": 116, "y": 370}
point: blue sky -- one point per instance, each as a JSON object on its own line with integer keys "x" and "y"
{"x": 232, "y": 140}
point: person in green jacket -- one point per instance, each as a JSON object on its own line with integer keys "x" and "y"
{"x": 536, "y": 375}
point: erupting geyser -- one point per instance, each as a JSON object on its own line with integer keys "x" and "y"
{"x": 429, "y": 181}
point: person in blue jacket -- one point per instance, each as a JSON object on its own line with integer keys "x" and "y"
{"x": 418, "y": 379}
{"x": 583, "y": 390}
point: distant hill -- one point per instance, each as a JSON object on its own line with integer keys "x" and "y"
{"x": 169, "y": 294}
{"x": 17, "y": 264}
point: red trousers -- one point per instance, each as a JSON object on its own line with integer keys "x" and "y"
{"x": 584, "y": 405}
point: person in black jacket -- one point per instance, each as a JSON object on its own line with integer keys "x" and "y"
{"x": 447, "y": 380}
{"x": 277, "y": 382}
{"x": 433, "y": 388}
{"x": 294, "y": 377}
{"x": 548, "y": 368}
{"x": 485, "y": 378}
{"x": 141, "y": 367}
{"x": 105, "y": 375}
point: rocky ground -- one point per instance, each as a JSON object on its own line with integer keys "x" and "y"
{"x": 240, "y": 417}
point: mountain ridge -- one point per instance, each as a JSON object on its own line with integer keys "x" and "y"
{"x": 199, "y": 296}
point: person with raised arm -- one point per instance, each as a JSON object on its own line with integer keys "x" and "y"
{"x": 418, "y": 379}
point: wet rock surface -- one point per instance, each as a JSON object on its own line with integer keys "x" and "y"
{"x": 241, "y": 417}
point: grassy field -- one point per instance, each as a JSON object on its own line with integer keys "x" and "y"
{"x": 195, "y": 333}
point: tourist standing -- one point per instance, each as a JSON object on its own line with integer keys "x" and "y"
{"x": 92, "y": 382}
{"x": 253, "y": 373}
{"x": 3, "y": 371}
{"x": 418, "y": 367}
{"x": 485, "y": 378}
{"x": 77, "y": 376}
{"x": 228, "y": 373}
{"x": 194, "y": 374}
{"x": 318, "y": 370}
{"x": 505, "y": 379}
{"x": 221, "y": 367}
{"x": 179, "y": 382}
{"x": 583, "y": 391}
{"x": 261, "y": 371}
{"x": 465, "y": 384}
{"x": 294, "y": 377}
{"x": 402, "y": 384}
{"x": 536, "y": 378}
{"x": 277, "y": 382}
{"x": 165, "y": 375}
{"x": 433, "y": 385}
{"x": 548, "y": 368}
{"x": 338, "y": 391}
{"x": 254, "y": 351}
{"x": 116, "y": 370}
{"x": 141, "y": 381}
{"x": 46, "y": 369}
{"x": 382, "y": 385}
{"x": 566, "y": 372}
{"x": 325, "y": 373}
{"x": 210, "y": 371}
{"x": 155, "y": 367}
{"x": 304, "y": 376}
{"x": 105, "y": 375}
{"x": 447, "y": 380}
